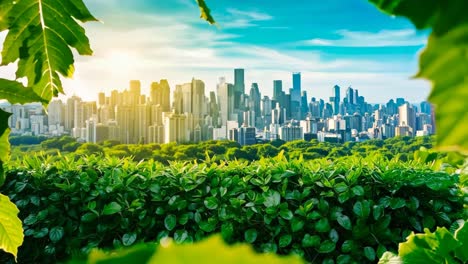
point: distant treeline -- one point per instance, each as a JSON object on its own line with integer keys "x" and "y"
{"x": 399, "y": 147}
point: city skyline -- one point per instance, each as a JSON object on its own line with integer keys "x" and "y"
{"x": 327, "y": 43}
{"x": 231, "y": 112}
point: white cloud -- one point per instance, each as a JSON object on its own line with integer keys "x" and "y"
{"x": 383, "y": 38}
{"x": 236, "y": 18}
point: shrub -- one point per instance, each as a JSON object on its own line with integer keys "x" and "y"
{"x": 351, "y": 210}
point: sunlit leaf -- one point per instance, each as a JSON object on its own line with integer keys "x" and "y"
{"x": 40, "y": 34}
{"x": 205, "y": 12}
{"x": 11, "y": 230}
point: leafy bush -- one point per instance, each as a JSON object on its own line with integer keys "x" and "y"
{"x": 351, "y": 210}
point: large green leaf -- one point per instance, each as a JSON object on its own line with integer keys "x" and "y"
{"x": 444, "y": 61}
{"x": 11, "y": 230}
{"x": 15, "y": 93}
{"x": 429, "y": 247}
{"x": 205, "y": 12}
{"x": 40, "y": 34}
{"x": 213, "y": 250}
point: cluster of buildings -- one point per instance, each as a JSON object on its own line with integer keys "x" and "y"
{"x": 230, "y": 112}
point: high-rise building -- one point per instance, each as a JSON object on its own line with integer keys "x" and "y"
{"x": 226, "y": 100}
{"x": 125, "y": 117}
{"x": 291, "y": 132}
{"x": 296, "y": 89}
{"x": 243, "y": 135}
{"x": 198, "y": 103}
{"x": 350, "y": 95}
{"x": 102, "y": 132}
{"x": 239, "y": 87}
{"x": 407, "y": 117}
{"x": 142, "y": 122}
{"x": 175, "y": 129}
{"x": 55, "y": 113}
{"x": 135, "y": 92}
{"x": 277, "y": 90}
{"x": 254, "y": 105}
{"x": 101, "y": 99}
{"x": 160, "y": 94}
{"x": 91, "y": 130}
{"x": 336, "y": 100}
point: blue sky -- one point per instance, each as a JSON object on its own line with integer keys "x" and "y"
{"x": 344, "y": 42}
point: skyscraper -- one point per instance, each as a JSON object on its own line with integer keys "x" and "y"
{"x": 135, "y": 92}
{"x": 160, "y": 94}
{"x": 226, "y": 100}
{"x": 407, "y": 117}
{"x": 54, "y": 110}
{"x": 336, "y": 100}
{"x": 350, "y": 95}
{"x": 277, "y": 90}
{"x": 175, "y": 129}
{"x": 239, "y": 87}
{"x": 296, "y": 89}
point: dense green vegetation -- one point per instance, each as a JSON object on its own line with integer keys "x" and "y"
{"x": 350, "y": 209}
{"x": 402, "y": 148}
{"x": 49, "y": 56}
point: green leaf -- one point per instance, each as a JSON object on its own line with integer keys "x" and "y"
{"x": 56, "y": 234}
{"x": 180, "y": 236}
{"x": 128, "y": 239}
{"x": 341, "y": 187}
{"x": 111, "y": 208}
{"x": 250, "y": 235}
{"x": 396, "y": 203}
{"x": 11, "y": 230}
{"x": 362, "y": 209}
{"x": 170, "y": 222}
{"x": 369, "y": 253}
{"x": 205, "y": 12}
{"x": 286, "y": 214}
{"x": 334, "y": 236}
{"x": 461, "y": 234}
{"x": 213, "y": 250}
{"x": 322, "y": 225}
{"x": 227, "y": 230}
{"x": 446, "y": 49}
{"x": 15, "y": 93}
{"x": 429, "y": 247}
{"x": 421, "y": 17}
{"x": 449, "y": 87}
{"x": 297, "y": 224}
{"x": 348, "y": 246}
{"x": 88, "y": 217}
{"x": 208, "y": 226}
{"x": 327, "y": 246}
{"x": 285, "y": 240}
{"x": 136, "y": 254}
{"x": 310, "y": 241}
{"x": 211, "y": 203}
{"x": 344, "y": 221}
{"x": 390, "y": 258}
{"x": 40, "y": 34}
{"x": 358, "y": 190}
{"x": 272, "y": 198}
{"x": 377, "y": 211}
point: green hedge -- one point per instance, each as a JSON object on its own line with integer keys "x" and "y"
{"x": 349, "y": 210}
